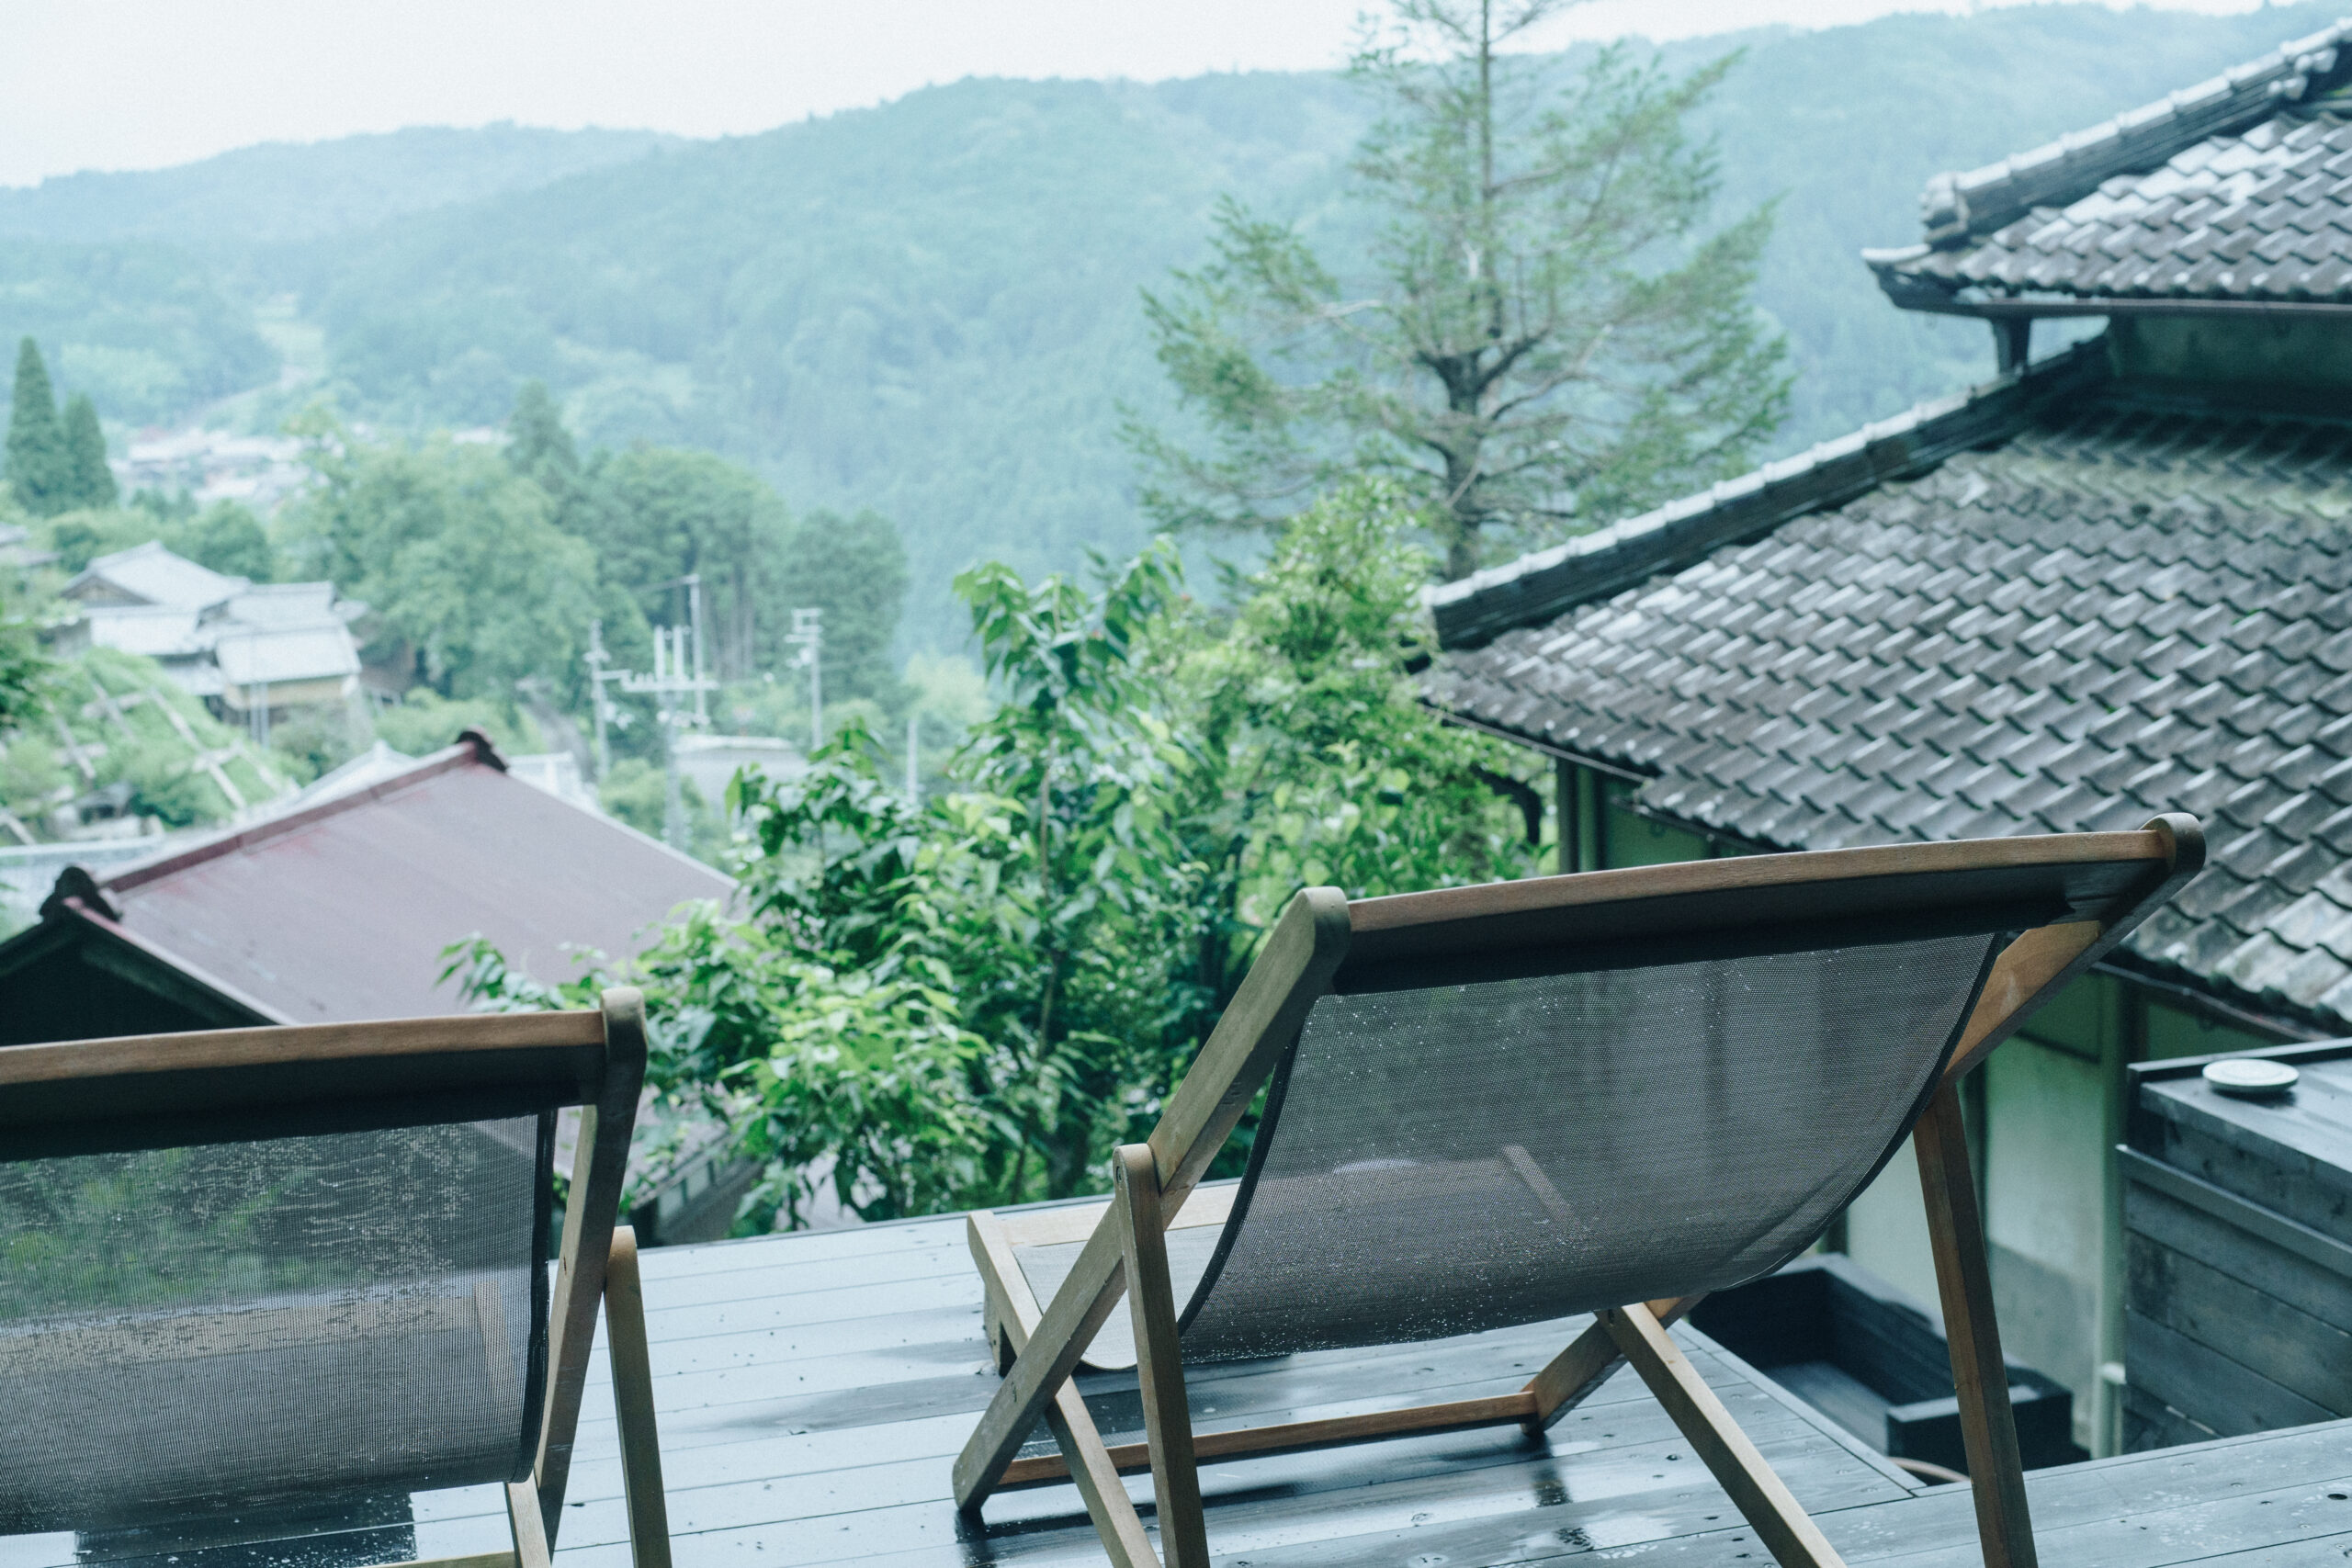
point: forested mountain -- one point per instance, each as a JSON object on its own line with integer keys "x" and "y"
{"x": 262, "y": 195}
{"x": 930, "y": 308}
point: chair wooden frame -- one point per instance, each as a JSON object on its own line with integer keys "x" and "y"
{"x": 156, "y": 1091}
{"x": 2090, "y": 890}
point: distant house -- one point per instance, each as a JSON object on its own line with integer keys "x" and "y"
{"x": 2110, "y": 583}
{"x": 339, "y": 912}
{"x": 247, "y": 648}
{"x": 338, "y": 909}
{"x": 17, "y": 550}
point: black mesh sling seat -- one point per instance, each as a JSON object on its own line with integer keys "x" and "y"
{"x": 243, "y": 1269}
{"x": 1606, "y": 1093}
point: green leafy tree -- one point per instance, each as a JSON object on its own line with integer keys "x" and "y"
{"x": 80, "y": 537}
{"x": 654, "y": 515}
{"x": 1072, "y": 746}
{"x": 469, "y": 577}
{"x": 422, "y": 722}
{"x": 38, "y": 469}
{"x": 1547, "y": 339}
{"x": 853, "y": 568}
{"x": 970, "y": 999}
{"x": 1304, "y": 755}
{"x": 230, "y": 539}
{"x": 88, "y": 480}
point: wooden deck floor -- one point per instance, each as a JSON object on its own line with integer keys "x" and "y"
{"x": 813, "y": 1391}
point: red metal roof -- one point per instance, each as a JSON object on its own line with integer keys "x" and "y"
{"x": 340, "y": 912}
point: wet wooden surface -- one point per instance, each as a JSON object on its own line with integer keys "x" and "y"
{"x": 813, "y": 1392}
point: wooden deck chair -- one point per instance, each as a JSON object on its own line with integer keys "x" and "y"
{"x": 1611, "y": 1092}
{"x": 257, "y": 1267}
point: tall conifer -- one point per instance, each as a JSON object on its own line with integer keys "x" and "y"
{"x": 36, "y": 465}
{"x": 88, "y": 480}
{"x": 1550, "y": 334}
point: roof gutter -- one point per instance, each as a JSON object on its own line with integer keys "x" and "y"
{"x": 1715, "y": 836}
{"x": 1557, "y": 753}
{"x": 1932, "y": 302}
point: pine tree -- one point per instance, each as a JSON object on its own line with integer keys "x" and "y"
{"x": 36, "y": 465}
{"x": 1547, "y": 336}
{"x": 89, "y": 482}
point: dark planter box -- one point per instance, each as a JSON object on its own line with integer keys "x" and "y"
{"x": 1876, "y": 1361}
{"x": 2237, "y": 1220}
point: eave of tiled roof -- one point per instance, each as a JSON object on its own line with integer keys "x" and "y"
{"x": 1541, "y": 586}
{"x": 2256, "y": 219}
{"x": 1959, "y": 207}
{"x": 2230, "y": 193}
{"x": 2124, "y": 608}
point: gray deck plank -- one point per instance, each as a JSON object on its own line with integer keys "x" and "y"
{"x": 813, "y": 1389}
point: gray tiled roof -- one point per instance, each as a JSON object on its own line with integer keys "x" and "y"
{"x": 2119, "y": 610}
{"x": 1537, "y": 586}
{"x": 2263, "y": 215}
{"x": 2237, "y": 189}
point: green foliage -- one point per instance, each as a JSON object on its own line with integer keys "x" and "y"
{"x": 162, "y": 783}
{"x": 229, "y": 538}
{"x": 855, "y": 570}
{"x": 25, "y": 672}
{"x": 149, "y": 331}
{"x": 1546, "y": 340}
{"x": 539, "y": 446}
{"x": 847, "y": 1076}
{"x": 80, "y": 537}
{"x": 867, "y": 309}
{"x": 226, "y": 535}
{"x": 424, "y": 721}
{"x": 130, "y": 725}
{"x": 39, "y": 469}
{"x": 88, "y": 480}
{"x": 471, "y": 583}
{"x": 655, "y": 514}
{"x": 311, "y": 741}
{"x": 970, "y": 998}
{"x": 1309, "y": 758}
{"x": 638, "y": 792}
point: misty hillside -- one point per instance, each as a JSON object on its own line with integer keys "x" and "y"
{"x": 261, "y": 195}
{"x": 931, "y": 306}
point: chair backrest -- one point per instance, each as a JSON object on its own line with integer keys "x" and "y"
{"x": 1534, "y": 1098}
{"x": 246, "y": 1268}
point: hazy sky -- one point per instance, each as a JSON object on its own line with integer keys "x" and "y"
{"x": 141, "y": 84}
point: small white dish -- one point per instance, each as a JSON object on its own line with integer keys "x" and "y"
{"x": 2250, "y": 1078}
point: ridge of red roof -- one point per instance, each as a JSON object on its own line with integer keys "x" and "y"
{"x": 472, "y": 748}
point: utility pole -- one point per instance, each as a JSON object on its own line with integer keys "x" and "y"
{"x": 808, "y": 633}
{"x": 693, "y": 580}
{"x": 597, "y": 677}
{"x": 914, "y": 733}
{"x": 676, "y": 672}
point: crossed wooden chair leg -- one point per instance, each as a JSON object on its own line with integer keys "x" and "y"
{"x": 533, "y": 1503}
{"x": 1635, "y": 1335}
